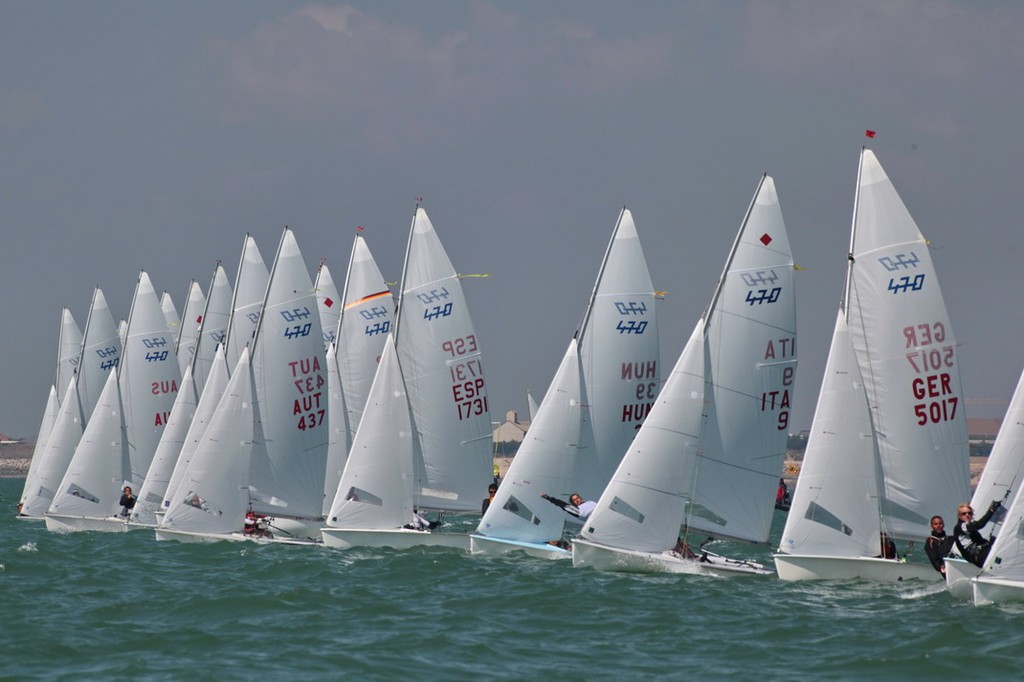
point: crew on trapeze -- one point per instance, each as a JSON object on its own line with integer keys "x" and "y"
{"x": 575, "y": 506}
{"x": 972, "y": 544}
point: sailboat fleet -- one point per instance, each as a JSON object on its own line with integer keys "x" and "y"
{"x": 284, "y": 409}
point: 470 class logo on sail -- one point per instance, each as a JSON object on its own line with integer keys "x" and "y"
{"x": 902, "y": 261}
{"x": 763, "y": 279}
{"x": 626, "y": 309}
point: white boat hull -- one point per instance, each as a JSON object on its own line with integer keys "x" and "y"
{"x": 301, "y": 531}
{"x": 59, "y": 523}
{"x": 988, "y": 590}
{"x": 397, "y": 538}
{"x": 793, "y": 567}
{"x": 167, "y": 534}
{"x": 604, "y": 558}
{"x": 482, "y": 544}
{"x": 959, "y": 573}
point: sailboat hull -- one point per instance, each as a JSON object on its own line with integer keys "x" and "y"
{"x": 988, "y": 590}
{"x": 795, "y": 567}
{"x": 604, "y": 558}
{"x": 397, "y": 538}
{"x": 59, "y": 523}
{"x": 959, "y": 573}
{"x": 482, "y": 544}
{"x": 166, "y": 534}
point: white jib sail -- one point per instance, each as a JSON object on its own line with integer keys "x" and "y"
{"x": 545, "y": 463}
{"x": 60, "y": 448}
{"x": 377, "y": 488}
{"x": 835, "y": 504}
{"x": 216, "y": 383}
{"x": 642, "y": 508}
{"x": 213, "y": 495}
{"x": 91, "y": 486}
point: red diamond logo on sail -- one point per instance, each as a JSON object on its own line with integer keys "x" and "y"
{"x": 766, "y": 239}
{"x": 328, "y": 302}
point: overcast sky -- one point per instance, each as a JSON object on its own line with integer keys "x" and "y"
{"x": 154, "y": 135}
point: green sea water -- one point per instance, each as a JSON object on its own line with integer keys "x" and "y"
{"x": 91, "y": 606}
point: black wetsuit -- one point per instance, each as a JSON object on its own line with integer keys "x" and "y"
{"x": 972, "y": 544}
{"x": 937, "y": 547}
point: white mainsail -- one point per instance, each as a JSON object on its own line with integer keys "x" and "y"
{"x": 750, "y": 368}
{"x": 289, "y": 369}
{"x": 913, "y": 438}
{"x": 328, "y": 303}
{"x": 170, "y": 312}
{"x": 442, "y": 364}
{"x": 619, "y": 354}
{"x": 101, "y": 352}
{"x": 212, "y": 328}
{"x": 190, "y": 327}
{"x": 908, "y": 357}
{"x": 69, "y": 351}
{"x": 366, "y": 320}
{"x": 250, "y": 289}
{"x": 148, "y": 380}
